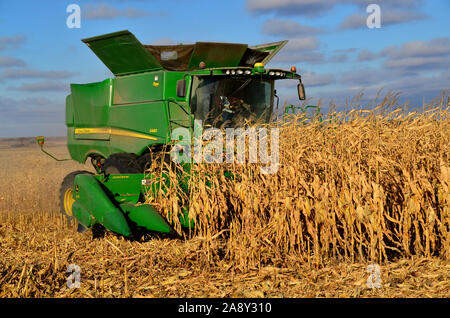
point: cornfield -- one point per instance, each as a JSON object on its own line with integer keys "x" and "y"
{"x": 360, "y": 187}
{"x": 364, "y": 185}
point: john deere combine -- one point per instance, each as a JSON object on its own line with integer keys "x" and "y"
{"x": 119, "y": 122}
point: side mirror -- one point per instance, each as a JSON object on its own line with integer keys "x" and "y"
{"x": 301, "y": 91}
{"x": 181, "y": 88}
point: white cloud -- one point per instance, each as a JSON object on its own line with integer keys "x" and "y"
{"x": 413, "y": 55}
{"x": 339, "y": 58}
{"x": 307, "y": 43}
{"x": 105, "y": 11}
{"x": 6, "y": 61}
{"x": 33, "y": 73}
{"x": 11, "y": 41}
{"x": 287, "y": 28}
{"x": 164, "y": 41}
{"x": 297, "y": 57}
{"x": 45, "y": 86}
{"x": 311, "y": 79}
{"x": 317, "y": 7}
{"x": 419, "y": 63}
{"x": 388, "y": 17}
{"x": 434, "y": 47}
{"x": 366, "y": 55}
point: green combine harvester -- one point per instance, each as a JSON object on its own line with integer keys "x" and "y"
{"x": 120, "y": 123}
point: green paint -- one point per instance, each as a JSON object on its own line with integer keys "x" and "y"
{"x": 146, "y": 216}
{"x": 122, "y": 53}
{"x": 139, "y": 108}
{"x": 82, "y": 215}
{"x": 91, "y": 195}
{"x": 142, "y": 98}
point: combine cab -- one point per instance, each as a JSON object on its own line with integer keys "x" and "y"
{"x": 119, "y": 122}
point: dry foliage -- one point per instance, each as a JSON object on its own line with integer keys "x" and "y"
{"x": 37, "y": 248}
{"x": 369, "y": 187}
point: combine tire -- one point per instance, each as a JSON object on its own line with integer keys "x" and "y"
{"x": 66, "y": 199}
{"x": 122, "y": 163}
{"x": 149, "y": 161}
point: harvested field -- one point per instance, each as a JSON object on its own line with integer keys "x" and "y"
{"x": 34, "y": 258}
{"x": 370, "y": 187}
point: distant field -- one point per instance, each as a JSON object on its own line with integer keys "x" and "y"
{"x": 369, "y": 191}
{"x": 25, "y": 142}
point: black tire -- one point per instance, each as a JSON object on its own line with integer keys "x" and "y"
{"x": 122, "y": 163}
{"x": 64, "y": 194}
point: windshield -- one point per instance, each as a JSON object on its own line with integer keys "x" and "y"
{"x": 231, "y": 102}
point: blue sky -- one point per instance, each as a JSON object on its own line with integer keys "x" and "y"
{"x": 330, "y": 44}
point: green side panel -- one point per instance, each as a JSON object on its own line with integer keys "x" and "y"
{"x": 138, "y": 117}
{"x": 69, "y": 111}
{"x": 217, "y": 54}
{"x": 122, "y": 53}
{"x": 178, "y": 109}
{"x": 170, "y": 85}
{"x": 90, "y": 194}
{"x": 130, "y": 144}
{"x": 146, "y": 216}
{"x": 72, "y": 146}
{"x": 79, "y": 149}
{"x": 139, "y": 88}
{"x": 82, "y": 215}
{"x": 124, "y": 187}
{"x": 179, "y": 114}
{"x": 91, "y": 107}
{"x": 147, "y": 123}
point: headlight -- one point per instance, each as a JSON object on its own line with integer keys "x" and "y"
{"x": 227, "y": 72}
{"x": 277, "y": 73}
{"x": 233, "y": 72}
{"x": 248, "y": 72}
{"x": 271, "y": 73}
{"x": 240, "y": 72}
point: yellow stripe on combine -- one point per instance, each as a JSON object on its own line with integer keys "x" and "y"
{"x": 80, "y": 131}
{"x": 127, "y": 133}
{"x": 112, "y": 131}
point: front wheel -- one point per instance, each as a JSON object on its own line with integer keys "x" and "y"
{"x": 66, "y": 199}
{"x": 122, "y": 163}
